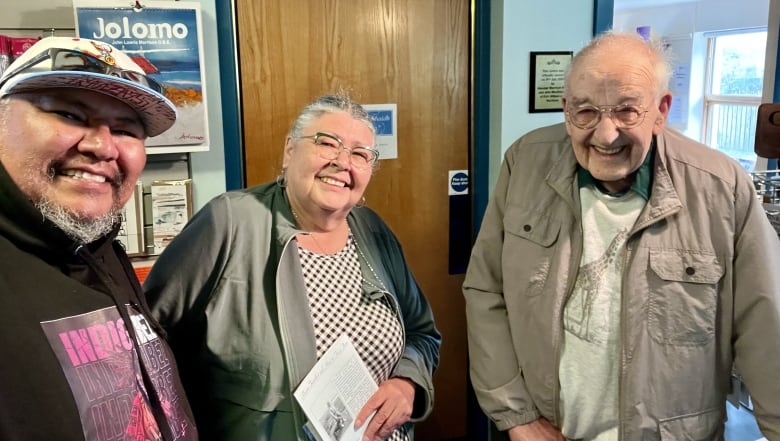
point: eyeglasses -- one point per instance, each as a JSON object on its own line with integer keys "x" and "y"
{"x": 330, "y": 147}
{"x": 625, "y": 116}
{"x": 72, "y": 60}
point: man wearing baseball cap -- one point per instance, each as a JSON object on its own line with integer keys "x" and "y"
{"x": 83, "y": 359}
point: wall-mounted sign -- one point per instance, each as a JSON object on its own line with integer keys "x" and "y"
{"x": 459, "y": 182}
{"x": 385, "y": 120}
{"x": 548, "y": 70}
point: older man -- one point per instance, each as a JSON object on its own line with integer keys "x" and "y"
{"x": 621, "y": 270}
{"x": 83, "y": 360}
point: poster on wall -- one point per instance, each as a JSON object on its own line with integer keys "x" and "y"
{"x": 385, "y": 119}
{"x": 165, "y": 39}
{"x": 680, "y": 86}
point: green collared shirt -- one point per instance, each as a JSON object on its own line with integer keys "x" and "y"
{"x": 642, "y": 182}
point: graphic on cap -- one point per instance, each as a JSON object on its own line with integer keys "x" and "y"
{"x": 93, "y": 65}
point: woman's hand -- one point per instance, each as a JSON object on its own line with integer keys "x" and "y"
{"x": 539, "y": 430}
{"x": 393, "y": 403}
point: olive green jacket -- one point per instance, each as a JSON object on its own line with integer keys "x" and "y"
{"x": 701, "y": 290}
{"x": 229, "y": 291}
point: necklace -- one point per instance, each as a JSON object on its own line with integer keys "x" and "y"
{"x": 311, "y": 234}
{"x": 295, "y": 215}
{"x": 382, "y": 286}
{"x": 370, "y": 268}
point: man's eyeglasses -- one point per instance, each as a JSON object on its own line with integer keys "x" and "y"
{"x": 71, "y": 60}
{"x": 625, "y": 116}
{"x": 330, "y": 147}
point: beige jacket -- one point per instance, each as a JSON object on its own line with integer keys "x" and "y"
{"x": 701, "y": 290}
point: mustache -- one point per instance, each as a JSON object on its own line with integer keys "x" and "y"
{"x": 117, "y": 180}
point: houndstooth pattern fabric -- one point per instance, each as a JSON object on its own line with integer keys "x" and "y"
{"x": 337, "y": 306}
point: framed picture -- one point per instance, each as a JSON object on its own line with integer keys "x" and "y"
{"x": 548, "y": 70}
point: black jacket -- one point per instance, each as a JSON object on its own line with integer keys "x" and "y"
{"x": 70, "y": 369}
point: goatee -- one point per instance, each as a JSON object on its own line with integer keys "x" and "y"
{"x": 83, "y": 231}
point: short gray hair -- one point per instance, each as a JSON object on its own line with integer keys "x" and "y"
{"x": 332, "y": 103}
{"x": 653, "y": 49}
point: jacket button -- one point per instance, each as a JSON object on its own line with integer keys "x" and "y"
{"x": 690, "y": 271}
{"x": 526, "y": 228}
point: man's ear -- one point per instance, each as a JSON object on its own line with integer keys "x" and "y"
{"x": 664, "y": 105}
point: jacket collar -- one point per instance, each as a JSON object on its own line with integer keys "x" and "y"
{"x": 374, "y": 279}
{"x": 664, "y": 200}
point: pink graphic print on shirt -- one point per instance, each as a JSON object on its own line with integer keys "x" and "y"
{"x": 102, "y": 369}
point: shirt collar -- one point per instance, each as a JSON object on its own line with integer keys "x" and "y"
{"x": 642, "y": 183}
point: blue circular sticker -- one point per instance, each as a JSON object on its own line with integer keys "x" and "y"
{"x": 459, "y": 182}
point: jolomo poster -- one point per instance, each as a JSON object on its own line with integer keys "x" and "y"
{"x": 165, "y": 39}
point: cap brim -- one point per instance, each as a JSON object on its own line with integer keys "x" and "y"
{"x": 157, "y": 113}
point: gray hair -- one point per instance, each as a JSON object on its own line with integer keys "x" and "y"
{"x": 337, "y": 102}
{"x": 653, "y": 50}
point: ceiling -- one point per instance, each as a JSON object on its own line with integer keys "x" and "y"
{"x": 635, "y": 4}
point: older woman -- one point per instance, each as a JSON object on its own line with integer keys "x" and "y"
{"x": 262, "y": 281}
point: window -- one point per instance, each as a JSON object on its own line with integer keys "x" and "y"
{"x": 733, "y": 88}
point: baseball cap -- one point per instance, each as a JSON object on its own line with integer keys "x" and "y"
{"x": 57, "y": 62}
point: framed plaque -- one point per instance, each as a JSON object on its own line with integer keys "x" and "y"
{"x": 548, "y": 70}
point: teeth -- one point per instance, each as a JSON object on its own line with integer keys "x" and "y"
{"x": 331, "y": 181}
{"x": 78, "y": 174}
{"x": 607, "y": 151}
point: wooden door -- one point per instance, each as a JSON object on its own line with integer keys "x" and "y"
{"x": 409, "y": 52}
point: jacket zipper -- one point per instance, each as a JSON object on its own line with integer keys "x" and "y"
{"x": 573, "y": 270}
{"x": 287, "y": 349}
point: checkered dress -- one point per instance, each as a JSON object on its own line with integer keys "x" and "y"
{"x": 337, "y": 306}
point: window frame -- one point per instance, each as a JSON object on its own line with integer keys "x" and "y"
{"x": 710, "y": 100}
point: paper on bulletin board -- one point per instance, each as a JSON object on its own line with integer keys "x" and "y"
{"x": 165, "y": 39}
{"x": 385, "y": 119}
{"x": 680, "y": 86}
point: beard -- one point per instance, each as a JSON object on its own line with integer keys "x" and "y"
{"x": 83, "y": 231}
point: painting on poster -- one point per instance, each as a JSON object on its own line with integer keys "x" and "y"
{"x": 165, "y": 39}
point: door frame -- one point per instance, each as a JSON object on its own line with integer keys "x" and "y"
{"x": 235, "y": 175}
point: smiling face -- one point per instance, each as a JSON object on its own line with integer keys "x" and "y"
{"x": 324, "y": 188}
{"x": 76, "y": 150}
{"x": 610, "y": 75}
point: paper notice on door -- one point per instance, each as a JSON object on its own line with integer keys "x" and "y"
{"x": 334, "y": 391}
{"x": 385, "y": 119}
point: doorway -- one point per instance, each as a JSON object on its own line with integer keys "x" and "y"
{"x": 404, "y": 52}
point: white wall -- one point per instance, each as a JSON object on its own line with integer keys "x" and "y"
{"x": 699, "y": 16}
{"x": 518, "y": 28}
{"x": 685, "y": 25}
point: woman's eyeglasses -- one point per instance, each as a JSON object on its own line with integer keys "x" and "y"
{"x": 71, "y": 60}
{"x": 330, "y": 147}
{"x": 625, "y": 116}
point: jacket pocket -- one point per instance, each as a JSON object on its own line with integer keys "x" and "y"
{"x": 683, "y": 288}
{"x": 528, "y": 249}
{"x": 248, "y": 384}
{"x": 539, "y": 228}
{"x": 701, "y": 426}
